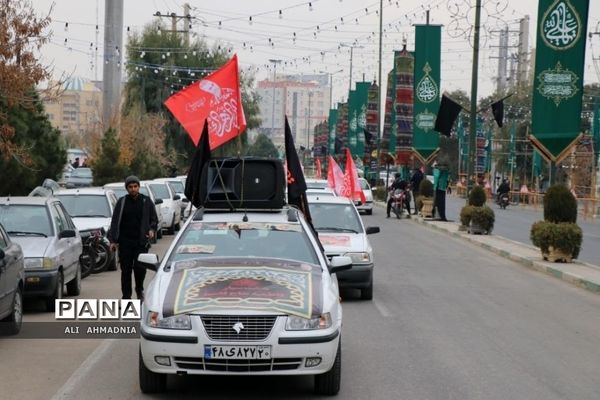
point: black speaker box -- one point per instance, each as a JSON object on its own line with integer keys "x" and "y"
{"x": 243, "y": 183}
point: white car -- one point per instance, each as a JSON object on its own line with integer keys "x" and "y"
{"x": 312, "y": 183}
{"x": 342, "y": 233}
{"x": 171, "y": 208}
{"x": 242, "y": 294}
{"x": 367, "y": 207}
{"x": 177, "y": 187}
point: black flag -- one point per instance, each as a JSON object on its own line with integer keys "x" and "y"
{"x": 446, "y": 115}
{"x": 498, "y": 111}
{"x": 201, "y": 158}
{"x": 296, "y": 185}
{"x": 368, "y": 136}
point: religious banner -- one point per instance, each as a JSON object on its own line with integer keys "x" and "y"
{"x": 332, "y": 121}
{"x": 426, "y": 90}
{"x": 352, "y": 120}
{"x": 341, "y": 130}
{"x": 404, "y": 70}
{"x": 372, "y": 127}
{"x": 389, "y": 134}
{"x": 480, "y": 167}
{"x": 362, "y": 100}
{"x": 558, "y": 80}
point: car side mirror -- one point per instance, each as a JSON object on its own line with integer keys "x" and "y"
{"x": 148, "y": 261}
{"x": 340, "y": 263}
{"x": 372, "y": 229}
{"x": 158, "y": 201}
{"x": 176, "y": 197}
{"x": 67, "y": 233}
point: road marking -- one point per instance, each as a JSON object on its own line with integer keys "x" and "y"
{"x": 76, "y": 380}
{"x": 382, "y": 309}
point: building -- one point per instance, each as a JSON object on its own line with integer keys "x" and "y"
{"x": 305, "y": 101}
{"x": 76, "y": 109}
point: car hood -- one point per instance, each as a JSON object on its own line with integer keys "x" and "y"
{"x": 210, "y": 285}
{"x": 87, "y": 223}
{"x": 33, "y": 246}
{"x": 340, "y": 243}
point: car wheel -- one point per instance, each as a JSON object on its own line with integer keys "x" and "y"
{"x": 367, "y": 293}
{"x": 74, "y": 287}
{"x": 150, "y": 382}
{"x": 171, "y": 229}
{"x": 102, "y": 258}
{"x": 328, "y": 384}
{"x": 369, "y": 212}
{"x": 12, "y": 323}
{"x": 58, "y": 292}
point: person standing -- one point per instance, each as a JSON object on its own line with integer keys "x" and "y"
{"x": 75, "y": 163}
{"x": 440, "y": 184}
{"x": 415, "y": 182}
{"x": 133, "y": 225}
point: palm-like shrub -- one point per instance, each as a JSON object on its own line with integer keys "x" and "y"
{"x": 560, "y": 205}
{"x": 477, "y": 196}
{"x": 426, "y": 188}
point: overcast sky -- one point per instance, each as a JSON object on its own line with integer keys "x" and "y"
{"x": 270, "y": 36}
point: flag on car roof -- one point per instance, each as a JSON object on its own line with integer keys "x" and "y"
{"x": 318, "y": 173}
{"x": 352, "y": 188}
{"x": 217, "y": 99}
{"x": 200, "y": 160}
{"x": 296, "y": 185}
{"x": 335, "y": 176}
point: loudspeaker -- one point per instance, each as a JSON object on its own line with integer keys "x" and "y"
{"x": 245, "y": 183}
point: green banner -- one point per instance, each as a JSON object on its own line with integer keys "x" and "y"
{"x": 332, "y": 122}
{"x": 463, "y": 145}
{"x": 558, "y": 79}
{"x": 391, "y": 84}
{"x": 596, "y": 129}
{"x": 426, "y": 89}
{"x": 362, "y": 99}
{"x": 352, "y": 120}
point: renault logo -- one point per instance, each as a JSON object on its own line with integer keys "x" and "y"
{"x": 237, "y": 327}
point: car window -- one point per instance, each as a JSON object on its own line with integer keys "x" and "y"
{"x": 82, "y": 173}
{"x": 243, "y": 239}
{"x": 85, "y": 205}
{"x": 143, "y": 190}
{"x": 67, "y": 218}
{"x": 316, "y": 185}
{"x": 21, "y": 219}
{"x": 335, "y": 217}
{"x": 112, "y": 199}
{"x": 59, "y": 218}
{"x": 177, "y": 186}
{"x": 364, "y": 185}
{"x": 160, "y": 191}
{"x": 3, "y": 240}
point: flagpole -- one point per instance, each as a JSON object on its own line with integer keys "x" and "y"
{"x": 379, "y": 88}
{"x": 471, "y": 165}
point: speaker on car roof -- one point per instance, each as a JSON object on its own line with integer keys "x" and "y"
{"x": 253, "y": 183}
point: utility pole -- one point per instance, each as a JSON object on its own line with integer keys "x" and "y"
{"x": 275, "y": 62}
{"x": 187, "y": 17}
{"x": 308, "y": 122}
{"x": 331, "y": 85}
{"x": 379, "y": 87}
{"x": 113, "y": 45}
{"x": 523, "y": 53}
{"x": 352, "y": 47}
{"x": 502, "y": 79}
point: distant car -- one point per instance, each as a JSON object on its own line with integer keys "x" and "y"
{"x": 171, "y": 210}
{"x": 12, "y": 282}
{"x": 51, "y": 245}
{"x": 320, "y": 192}
{"x": 342, "y": 233}
{"x": 80, "y": 177}
{"x": 177, "y": 187}
{"x": 367, "y": 207}
{"x": 316, "y": 183}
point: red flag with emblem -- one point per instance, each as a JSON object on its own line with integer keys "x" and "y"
{"x": 335, "y": 176}
{"x": 352, "y": 188}
{"x": 216, "y": 98}
{"x": 318, "y": 173}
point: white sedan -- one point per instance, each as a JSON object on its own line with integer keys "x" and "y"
{"x": 243, "y": 294}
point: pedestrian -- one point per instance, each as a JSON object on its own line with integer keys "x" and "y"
{"x": 440, "y": 184}
{"x": 133, "y": 225}
{"x": 415, "y": 182}
{"x": 75, "y": 163}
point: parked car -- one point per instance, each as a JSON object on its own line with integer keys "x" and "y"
{"x": 171, "y": 208}
{"x": 12, "y": 282}
{"x": 316, "y": 183}
{"x": 79, "y": 177}
{"x": 367, "y": 207}
{"x": 51, "y": 245}
{"x": 91, "y": 210}
{"x": 177, "y": 187}
{"x": 342, "y": 233}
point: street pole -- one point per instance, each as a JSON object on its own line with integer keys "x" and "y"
{"x": 471, "y": 166}
{"x": 350, "y": 80}
{"x": 275, "y": 62}
{"x": 308, "y": 122}
{"x": 379, "y": 108}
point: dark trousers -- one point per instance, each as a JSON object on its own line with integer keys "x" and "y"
{"x": 415, "y": 195}
{"x": 128, "y": 255}
{"x": 439, "y": 204}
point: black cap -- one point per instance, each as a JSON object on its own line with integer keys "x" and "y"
{"x": 131, "y": 179}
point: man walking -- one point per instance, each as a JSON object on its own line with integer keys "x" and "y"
{"x": 415, "y": 182}
{"x": 133, "y": 225}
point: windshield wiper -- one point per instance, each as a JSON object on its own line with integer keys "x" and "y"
{"x": 24, "y": 233}
{"x": 89, "y": 216}
{"x": 335, "y": 229}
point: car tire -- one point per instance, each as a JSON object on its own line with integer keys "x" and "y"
{"x": 11, "y": 325}
{"x": 74, "y": 287}
{"x": 150, "y": 382}
{"x": 367, "y": 293}
{"x": 369, "y": 212}
{"x": 171, "y": 229}
{"x": 328, "y": 384}
{"x": 58, "y": 293}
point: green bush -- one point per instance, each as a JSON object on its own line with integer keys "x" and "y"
{"x": 560, "y": 205}
{"x": 426, "y": 188}
{"x": 379, "y": 193}
{"x": 477, "y": 196}
{"x": 484, "y": 217}
{"x": 465, "y": 215}
{"x": 565, "y": 236}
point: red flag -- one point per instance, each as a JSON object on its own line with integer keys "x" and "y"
{"x": 216, "y": 98}
{"x": 318, "y": 173}
{"x": 335, "y": 177}
{"x": 352, "y": 188}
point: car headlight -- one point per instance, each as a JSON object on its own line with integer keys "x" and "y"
{"x": 175, "y": 322}
{"x": 302, "y": 324}
{"x": 359, "y": 258}
{"x": 39, "y": 263}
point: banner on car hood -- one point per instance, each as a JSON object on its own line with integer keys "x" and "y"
{"x": 200, "y": 286}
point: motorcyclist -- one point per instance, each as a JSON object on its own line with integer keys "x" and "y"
{"x": 400, "y": 184}
{"x": 503, "y": 189}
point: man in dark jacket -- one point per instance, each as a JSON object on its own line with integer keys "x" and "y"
{"x": 401, "y": 184}
{"x": 133, "y": 225}
{"x": 415, "y": 182}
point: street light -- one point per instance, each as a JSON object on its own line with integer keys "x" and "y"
{"x": 331, "y": 85}
{"x": 352, "y": 47}
{"x": 275, "y": 62}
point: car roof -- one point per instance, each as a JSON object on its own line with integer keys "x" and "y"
{"x": 275, "y": 216}
{"x": 315, "y": 198}
{"x": 27, "y": 200}
{"x": 113, "y": 184}
{"x": 86, "y": 191}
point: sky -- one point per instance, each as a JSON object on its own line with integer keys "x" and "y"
{"x": 260, "y": 30}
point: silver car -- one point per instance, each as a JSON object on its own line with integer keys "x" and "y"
{"x": 80, "y": 177}
{"x": 51, "y": 245}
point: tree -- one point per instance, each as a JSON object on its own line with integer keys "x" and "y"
{"x": 262, "y": 147}
{"x": 107, "y": 165}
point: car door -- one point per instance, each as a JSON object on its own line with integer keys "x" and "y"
{"x": 62, "y": 247}
{"x": 11, "y": 271}
{"x": 75, "y": 246}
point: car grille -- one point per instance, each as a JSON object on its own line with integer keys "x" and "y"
{"x": 275, "y": 364}
{"x": 220, "y": 327}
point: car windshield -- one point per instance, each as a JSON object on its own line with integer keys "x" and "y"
{"x": 316, "y": 185}
{"x": 335, "y": 218}
{"x": 364, "y": 185}
{"x": 82, "y": 173}
{"x": 25, "y": 220}
{"x": 244, "y": 239}
{"x": 85, "y": 205}
{"x": 121, "y": 191}
{"x": 177, "y": 186}
{"x": 160, "y": 191}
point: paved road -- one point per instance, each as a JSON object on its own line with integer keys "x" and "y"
{"x": 449, "y": 321}
{"x": 515, "y": 223}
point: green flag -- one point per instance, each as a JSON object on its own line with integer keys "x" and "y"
{"x": 426, "y": 89}
{"x": 362, "y": 99}
{"x": 488, "y": 149}
{"x": 332, "y": 122}
{"x": 352, "y": 118}
{"x": 558, "y": 80}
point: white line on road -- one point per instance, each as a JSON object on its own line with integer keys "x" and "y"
{"x": 75, "y": 380}
{"x": 382, "y": 309}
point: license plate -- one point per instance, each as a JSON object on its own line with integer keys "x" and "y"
{"x": 237, "y": 352}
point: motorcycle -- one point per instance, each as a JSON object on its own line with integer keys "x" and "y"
{"x": 95, "y": 254}
{"x": 503, "y": 201}
{"x": 399, "y": 199}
